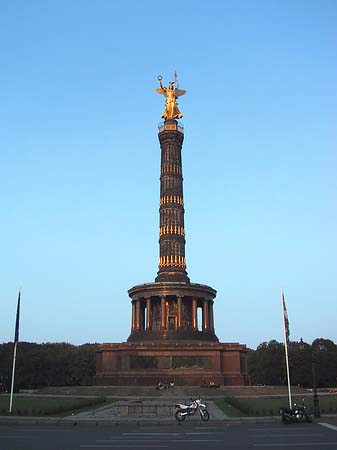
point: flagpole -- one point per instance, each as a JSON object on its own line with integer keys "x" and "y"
{"x": 16, "y": 340}
{"x": 13, "y": 375}
{"x": 284, "y": 312}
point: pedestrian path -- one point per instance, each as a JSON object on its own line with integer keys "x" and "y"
{"x": 111, "y": 412}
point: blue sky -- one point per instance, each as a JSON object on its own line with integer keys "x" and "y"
{"x": 80, "y": 160}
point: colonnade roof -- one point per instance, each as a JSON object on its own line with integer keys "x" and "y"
{"x": 172, "y": 289}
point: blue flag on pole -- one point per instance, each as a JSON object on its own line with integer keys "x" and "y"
{"x": 16, "y": 337}
{"x": 285, "y": 319}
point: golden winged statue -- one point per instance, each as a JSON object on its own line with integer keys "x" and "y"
{"x": 171, "y": 93}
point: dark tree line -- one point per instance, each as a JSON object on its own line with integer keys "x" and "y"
{"x": 50, "y": 364}
{"x": 266, "y": 364}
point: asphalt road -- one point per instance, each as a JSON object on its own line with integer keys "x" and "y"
{"x": 317, "y": 436}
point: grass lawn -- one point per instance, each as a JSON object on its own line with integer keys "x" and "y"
{"x": 270, "y": 406}
{"x": 228, "y": 409}
{"x": 38, "y": 406}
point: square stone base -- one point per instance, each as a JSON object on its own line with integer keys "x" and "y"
{"x": 185, "y": 364}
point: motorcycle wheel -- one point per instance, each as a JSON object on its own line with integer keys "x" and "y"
{"x": 204, "y": 415}
{"x": 300, "y": 417}
{"x": 309, "y": 418}
{"x": 286, "y": 420}
{"x": 180, "y": 415}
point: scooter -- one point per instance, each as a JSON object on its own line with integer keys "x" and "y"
{"x": 184, "y": 411}
{"x": 298, "y": 413}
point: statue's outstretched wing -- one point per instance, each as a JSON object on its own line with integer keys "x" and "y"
{"x": 180, "y": 92}
{"x": 160, "y": 91}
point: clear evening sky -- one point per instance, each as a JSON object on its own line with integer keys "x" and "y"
{"x": 80, "y": 160}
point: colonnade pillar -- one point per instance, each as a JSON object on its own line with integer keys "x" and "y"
{"x": 137, "y": 318}
{"x": 148, "y": 314}
{"x": 162, "y": 313}
{"x": 179, "y": 303}
{"x": 205, "y": 318}
{"x": 194, "y": 314}
{"x": 133, "y": 320}
{"x": 211, "y": 315}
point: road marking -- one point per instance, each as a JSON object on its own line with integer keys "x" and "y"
{"x": 286, "y": 435}
{"x": 196, "y": 440}
{"x": 123, "y": 446}
{"x": 205, "y": 432}
{"x": 135, "y": 433}
{"x": 292, "y": 445}
{"x": 5, "y": 436}
{"x": 140, "y": 433}
{"x": 38, "y": 430}
{"x": 273, "y": 429}
{"x": 327, "y": 425}
{"x": 15, "y": 436}
{"x": 119, "y": 440}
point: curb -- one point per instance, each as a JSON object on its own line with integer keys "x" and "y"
{"x": 141, "y": 421}
{"x": 132, "y": 421}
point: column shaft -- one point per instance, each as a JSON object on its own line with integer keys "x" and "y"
{"x": 172, "y": 263}
{"x": 179, "y": 313}
{"x": 211, "y": 315}
{"x": 194, "y": 314}
{"x": 148, "y": 314}
{"x": 137, "y": 315}
{"x": 133, "y": 316}
{"x": 205, "y": 321}
{"x": 163, "y": 314}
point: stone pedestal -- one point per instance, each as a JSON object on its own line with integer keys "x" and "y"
{"x": 185, "y": 364}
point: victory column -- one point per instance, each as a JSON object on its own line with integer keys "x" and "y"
{"x": 166, "y": 339}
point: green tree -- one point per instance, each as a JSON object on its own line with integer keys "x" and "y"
{"x": 300, "y": 364}
{"x": 324, "y": 357}
{"x": 49, "y": 364}
{"x": 83, "y": 364}
{"x": 266, "y": 364}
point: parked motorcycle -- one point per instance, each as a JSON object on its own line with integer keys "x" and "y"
{"x": 298, "y": 413}
{"x": 184, "y": 411}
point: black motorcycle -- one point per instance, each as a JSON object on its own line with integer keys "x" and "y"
{"x": 298, "y": 413}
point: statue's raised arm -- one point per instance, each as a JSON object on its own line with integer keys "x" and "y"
{"x": 171, "y": 93}
{"x": 162, "y": 88}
